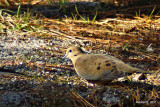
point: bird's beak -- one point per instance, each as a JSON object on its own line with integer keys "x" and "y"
{"x": 65, "y": 56}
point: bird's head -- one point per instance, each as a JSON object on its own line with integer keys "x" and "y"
{"x": 73, "y": 52}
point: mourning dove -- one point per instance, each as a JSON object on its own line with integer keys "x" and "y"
{"x": 98, "y": 67}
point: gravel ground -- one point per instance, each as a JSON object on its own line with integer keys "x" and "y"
{"x": 24, "y": 57}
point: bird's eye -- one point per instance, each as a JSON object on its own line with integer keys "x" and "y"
{"x": 70, "y": 50}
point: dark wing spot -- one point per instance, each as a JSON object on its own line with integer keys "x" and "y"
{"x": 107, "y": 61}
{"x": 75, "y": 55}
{"x": 98, "y": 68}
{"x": 108, "y": 64}
{"x": 85, "y": 60}
{"x": 114, "y": 66}
{"x": 113, "y": 63}
{"x": 99, "y": 63}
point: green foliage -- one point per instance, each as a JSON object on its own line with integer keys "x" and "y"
{"x": 5, "y": 4}
{"x": 50, "y": 3}
{"x": 24, "y": 23}
{"x": 79, "y": 14}
{"x": 138, "y": 14}
{"x": 94, "y": 18}
{"x": 62, "y": 4}
{"x": 126, "y": 45}
{"x": 23, "y": 20}
{"x": 74, "y": 16}
{"x": 85, "y": 21}
{"x": 18, "y": 11}
{"x": 151, "y": 13}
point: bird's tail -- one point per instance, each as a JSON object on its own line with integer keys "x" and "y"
{"x": 129, "y": 69}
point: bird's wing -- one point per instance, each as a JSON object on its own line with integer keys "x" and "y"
{"x": 97, "y": 67}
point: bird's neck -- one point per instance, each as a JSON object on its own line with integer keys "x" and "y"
{"x": 75, "y": 58}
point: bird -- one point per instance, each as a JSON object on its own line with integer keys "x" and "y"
{"x": 99, "y": 68}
